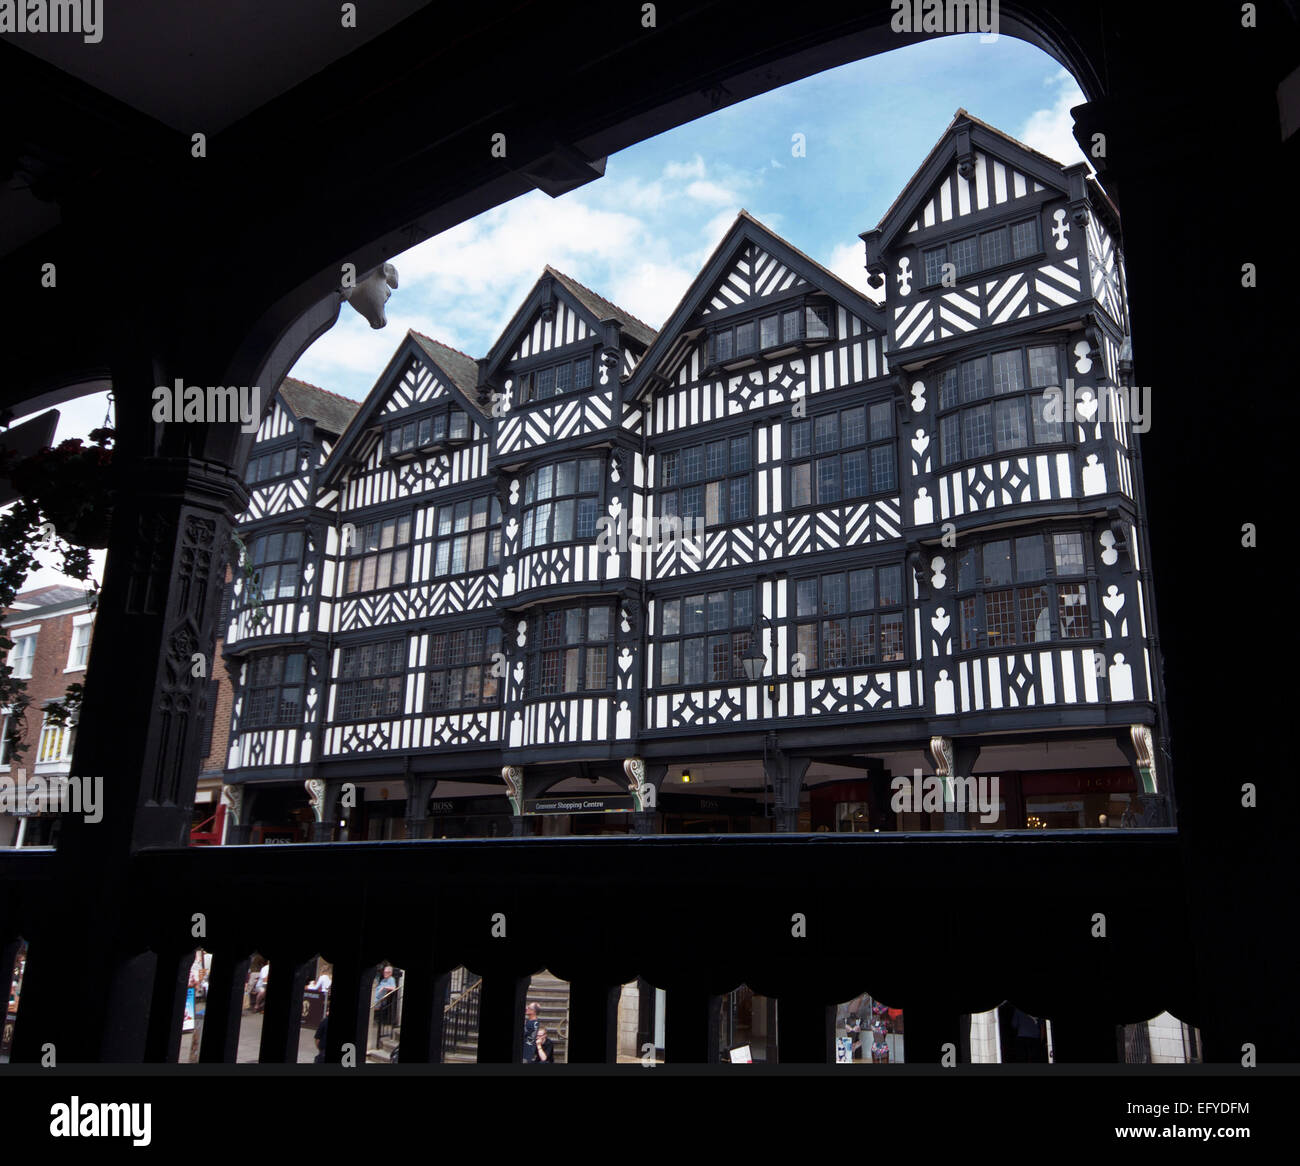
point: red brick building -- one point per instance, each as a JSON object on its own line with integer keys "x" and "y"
{"x": 51, "y": 628}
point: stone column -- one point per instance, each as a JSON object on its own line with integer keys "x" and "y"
{"x": 785, "y": 774}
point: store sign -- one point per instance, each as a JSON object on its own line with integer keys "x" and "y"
{"x": 615, "y": 804}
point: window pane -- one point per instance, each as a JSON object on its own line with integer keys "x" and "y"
{"x": 862, "y": 589}
{"x": 563, "y": 377}
{"x": 855, "y": 474}
{"x": 1069, "y": 553}
{"x": 948, "y": 388}
{"x": 477, "y": 551}
{"x": 692, "y": 502}
{"x": 722, "y": 345}
{"x": 828, "y": 479}
{"x": 440, "y": 427}
{"x": 566, "y": 478}
{"x": 806, "y": 597}
{"x": 997, "y": 561}
{"x": 835, "y": 643}
{"x": 969, "y": 624}
{"x": 1042, "y": 367}
{"x": 597, "y": 662}
{"x": 672, "y": 617}
{"x": 891, "y": 638}
{"x": 977, "y": 432}
{"x": 692, "y": 463}
{"x": 719, "y": 617}
{"x": 408, "y": 435}
{"x": 693, "y": 613}
{"x": 935, "y": 258}
{"x": 966, "y": 577}
{"x": 882, "y": 420}
{"x": 891, "y": 586}
{"x": 1035, "y": 615}
{"x": 740, "y": 457}
{"x": 742, "y": 607}
{"x": 444, "y": 518}
{"x": 825, "y": 434}
{"x": 459, "y": 425}
{"x": 974, "y": 380}
{"x": 542, "y": 524}
{"x": 950, "y": 435}
{"x": 1073, "y": 610}
{"x": 792, "y": 325}
{"x": 818, "y": 323}
{"x": 668, "y": 663}
{"x": 739, "y": 499}
{"x": 459, "y": 554}
{"x": 585, "y": 525}
{"x": 545, "y": 482}
{"x": 715, "y": 509}
{"x": 883, "y": 468}
{"x": 715, "y": 459}
{"x": 426, "y": 430}
{"x": 668, "y": 472}
{"x": 861, "y": 636}
{"x": 800, "y": 439}
{"x": 963, "y": 256}
{"x": 1009, "y": 420}
{"x": 589, "y": 476}
{"x": 833, "y": 594}
{"x": 668, "y": 507}
{"x": 572, "y": 664}
{"x": 1045, "y": 429}
{"x": 993, "y": 247}
{"x": 806, "y": 644}
{"x": 574, "y": 621}
{"x": 582, "y": 373}
{"x": 853, "y": 426}
{"x": 1008, "y": 375}
{"x": 741, "y": 642}
{"x": 770, "y": 331}
{"x": 597, "y": 624}
{"x": 462, "y": 516}
{"x": 719, "y": 658}
{"x": 1031, "y": 563}
{"x": 745, "y": 338}
{"x": 545, "y": 383}
{"x": 563, "y": 520}
{"x": 1024, "y": 238}
{"x": 693, "y": 661}
{"x": 800, "y": 489}
{"x": 999, "y": 618}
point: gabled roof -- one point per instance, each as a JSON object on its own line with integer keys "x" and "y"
{"x": 916, "y": 191}
{"x": 456, "y": 370}
{"x": 331, "y": 412}
{"x": 747, "y": 229}
{"x": 603, "y": 309}
{"x": 460, "y": 369}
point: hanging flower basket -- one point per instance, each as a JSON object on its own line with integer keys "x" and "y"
{"x": 70, "y": 484}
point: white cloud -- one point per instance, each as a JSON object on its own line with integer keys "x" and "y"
{"x": 710, "y": 192}
{"x": 679, "y": 170}
{"x": 651, "y": 290}
{"x": 1050, "y": 131}
{"x": 846, "y": 261}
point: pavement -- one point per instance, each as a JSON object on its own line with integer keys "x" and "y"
{"x": 250, "y": 1040}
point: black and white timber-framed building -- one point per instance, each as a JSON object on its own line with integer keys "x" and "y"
{"x": 527, "y": 593}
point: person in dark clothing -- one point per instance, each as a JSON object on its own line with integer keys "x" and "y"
{"x": 321, "y": 1033}
{"x": 545, "y": 1049}
{"x": 530, "y": 1032}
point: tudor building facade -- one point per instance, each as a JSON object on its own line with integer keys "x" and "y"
{"x": 738, "y": 574}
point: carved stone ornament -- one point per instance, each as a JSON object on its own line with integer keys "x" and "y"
{"x": 316, "y": 792}
{"x": 232, "y": 797}
{"x": 513, "y": 776}
{"x": 942, "y": 752}
{"x": 1144, "y": 746}
{"x": 371, "y": 294}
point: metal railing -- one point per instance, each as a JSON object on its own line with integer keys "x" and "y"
{"x": 460, "y": 1017}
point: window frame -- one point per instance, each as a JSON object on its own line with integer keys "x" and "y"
{"x": 252, "y": 594}
{"x": 252, "y": 472}
{"x": 811, "y": 461}
{"x": 976, "y": 235}
{"x": 973, "y": 639}
{"x": 526, "y": 387}
{"x": 850, "y": 612}
{"x": 438, "y": 539}
{"x": 268, "y": 712}
{"x": 528, "y": 509}
{"x": 359, "y": 552}
{"x": 348, "y": 689}
{"x": 79, "y": 622}
{"x": 21, "y": 636}
{"x": 538, "y": 650}
{"x": 738, "y": 630}
{"x": 669, "y": 496}
{"x": 492, "y": 645}
{"x": 445, "y": 409}
{"x": 953, "y": 408}
{"x": 786, "y": 337}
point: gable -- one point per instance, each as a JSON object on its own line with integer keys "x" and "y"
{"x": 277, "y": 423}
{"x": 755, "y": 275}
{"x": 566, "y": 326}
{"x": 992, "y": 183}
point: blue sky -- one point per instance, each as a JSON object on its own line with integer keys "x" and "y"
{"x": 640, "y": 234}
